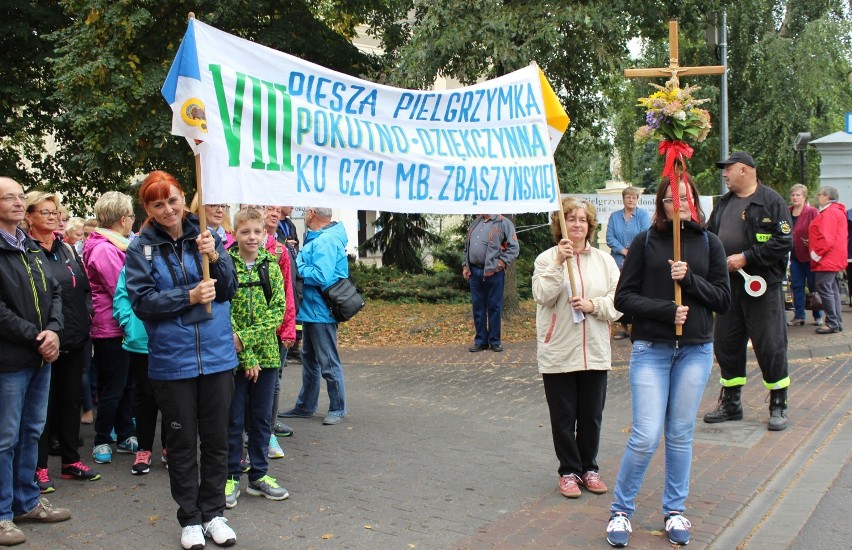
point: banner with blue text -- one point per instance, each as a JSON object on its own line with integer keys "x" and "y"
{"x": 274, "y": 129}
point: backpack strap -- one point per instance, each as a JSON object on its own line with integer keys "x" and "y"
{"x": 263, "y": 281}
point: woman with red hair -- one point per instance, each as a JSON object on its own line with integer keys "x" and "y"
{"x": 191, "y": 352}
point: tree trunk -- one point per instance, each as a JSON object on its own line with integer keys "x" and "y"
{"x": 511, "y": 302}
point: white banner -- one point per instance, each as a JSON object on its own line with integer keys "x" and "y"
{"x": 274, "y": 129}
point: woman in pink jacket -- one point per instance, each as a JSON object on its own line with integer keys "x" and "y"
{"x": 827, "y": 237}
{"x": 103, "y": 256}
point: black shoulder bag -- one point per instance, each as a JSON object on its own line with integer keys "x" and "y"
{"x": 343, "y": 299}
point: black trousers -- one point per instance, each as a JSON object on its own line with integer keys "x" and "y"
{"x": 576, "y": 402}
{"x": 193, "y": 409}
{"x": 145, "y": 407}
{"x": 63, "y": 408}
{"x": 764, "y": 322}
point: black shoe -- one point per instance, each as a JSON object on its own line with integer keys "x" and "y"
{"x": 729, "y": 407}
{"x": 827, "y": 330}
{"x": 478, "y": 347}
{"x": 777, "y": 410}
{"x": 293, "y": 413}
{"x": 496, "y": 347}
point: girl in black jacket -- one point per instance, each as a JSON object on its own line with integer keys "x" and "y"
{"x": 668, "y": 373}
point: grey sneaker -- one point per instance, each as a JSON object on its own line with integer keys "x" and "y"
{"x": 44, "y": 513}
{"x": 232, "y": 492}
{"x": 10, "y": 535}
{"x": 267, "y": 487}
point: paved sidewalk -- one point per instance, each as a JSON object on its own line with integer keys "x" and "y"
{"x": 449, "y": 449}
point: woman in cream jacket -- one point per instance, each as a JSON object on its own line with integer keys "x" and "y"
{"x": 573, "y": 332}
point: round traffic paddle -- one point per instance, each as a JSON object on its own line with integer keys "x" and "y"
{"x": 755, "y": 285}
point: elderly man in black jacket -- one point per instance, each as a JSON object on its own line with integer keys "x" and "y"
{"x": 31, "y": 317}
{"x": 755, "y": 227}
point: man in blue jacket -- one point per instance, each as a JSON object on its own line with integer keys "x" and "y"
{"x": 31, "y": 317}
{"x": 321, "y": 262}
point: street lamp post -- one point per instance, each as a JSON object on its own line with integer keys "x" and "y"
{"x": 801, "y": 144}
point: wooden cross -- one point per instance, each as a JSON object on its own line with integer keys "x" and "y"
{"x": 672, "y": 71}
{"x": 674, "y": 68}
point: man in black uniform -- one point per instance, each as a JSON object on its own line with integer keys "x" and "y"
{"x": 755, "y": 227}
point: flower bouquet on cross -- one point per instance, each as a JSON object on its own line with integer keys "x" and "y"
{"x": 673, "y": 117}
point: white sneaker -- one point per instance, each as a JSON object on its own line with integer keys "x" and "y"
{"x": 217, "y": 529}
{"x": 192, "y": 537}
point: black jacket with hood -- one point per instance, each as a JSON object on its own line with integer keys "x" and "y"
{"x": 646, "y": 289}
{"x": 30, "y": 302}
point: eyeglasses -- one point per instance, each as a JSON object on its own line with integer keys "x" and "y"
{"x": 13, "y": 198}
{"x": 48, "y": 213}
{"x": 669, "y": 200}
{"x": 218, "y": 206}
{"x": 132, "y": 216}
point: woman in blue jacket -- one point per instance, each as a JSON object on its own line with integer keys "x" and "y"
{"x": 191, "y": 353}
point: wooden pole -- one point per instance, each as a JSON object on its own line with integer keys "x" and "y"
{"x": 676, "y": 253}
{"x": 202, "y": 214}
{"x": 202, "y": 222}
{"x": 564, "y": 231}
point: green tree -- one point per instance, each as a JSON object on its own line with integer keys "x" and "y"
{"x": 27, "y": 110}
{"x": 400, "y": 238}
{"x": 788, "y": 65}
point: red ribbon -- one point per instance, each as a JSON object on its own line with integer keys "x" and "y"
{"x": 677, "y": 151}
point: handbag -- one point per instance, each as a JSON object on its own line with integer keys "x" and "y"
{"x": 343, "y": 299}
{"x": 813, "y": 301}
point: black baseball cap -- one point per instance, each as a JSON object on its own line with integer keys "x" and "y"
{"x": 739, "y": 156}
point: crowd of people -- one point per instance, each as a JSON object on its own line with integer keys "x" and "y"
{"x": 178, "y": 322}
{"x": 190, "y": 322}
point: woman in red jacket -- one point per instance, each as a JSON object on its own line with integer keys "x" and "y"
{"x": 827, "y": 240}
{"x": 800, "y": 259}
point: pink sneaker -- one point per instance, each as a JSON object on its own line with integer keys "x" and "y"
{"x": 568, "y": 486}
{"x": 592, "y": 482}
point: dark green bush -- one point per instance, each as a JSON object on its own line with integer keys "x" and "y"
{"x": 389, "y": 283}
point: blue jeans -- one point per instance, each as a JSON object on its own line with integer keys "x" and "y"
{"x": 23, "y": 412}
{"x": 800, "y": 272}
{"x": 320, "y": 358}
{"x": 486, "y": 297}
{"x": 256, "y": 398}
{"x": 667, "y": 384}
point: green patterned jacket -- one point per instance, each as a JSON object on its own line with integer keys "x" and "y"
{"x": 253, "y": 320}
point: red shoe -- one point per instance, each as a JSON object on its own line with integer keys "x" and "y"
{"x": 568, "y": 486}
{"x": 592, "y": 482}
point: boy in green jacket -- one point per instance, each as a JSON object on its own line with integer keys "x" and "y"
{"x": 256, "y": 313}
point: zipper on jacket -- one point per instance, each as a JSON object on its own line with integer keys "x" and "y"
{"x": 582, "y": 286}
{"x": 195, "y": 325}
{"x": 35, "y": 293}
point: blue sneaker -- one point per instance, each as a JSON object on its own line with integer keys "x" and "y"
{"x": 129, "y": 445}
{"x": 618, "y": 531}
{"x": 102, "y": 454}
{"x": 677, "y": 527}
{"x": 112, "y": 436}
{"x": 275, "y": 450}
